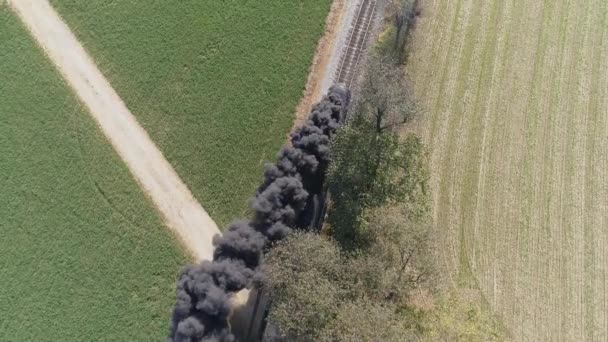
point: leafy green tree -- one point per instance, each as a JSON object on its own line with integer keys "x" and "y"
{"x": 368, "y": 321}
{"x": 401, "y": 248}
{"x": 323, "y": 294}
{"x": 302, "y": 274}
{"x": 369, "y": 169}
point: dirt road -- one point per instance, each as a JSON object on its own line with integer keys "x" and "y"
{"x": 180, "y": 210}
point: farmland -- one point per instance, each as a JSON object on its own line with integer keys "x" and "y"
{"x": 84, "y": 255}
{"x": 515, "y": 95}
{"x": 214, "y": 83}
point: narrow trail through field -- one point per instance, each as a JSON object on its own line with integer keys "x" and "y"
{"x": 180, "y": 210}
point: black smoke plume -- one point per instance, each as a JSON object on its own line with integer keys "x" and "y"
{"x": 204, "y": 291}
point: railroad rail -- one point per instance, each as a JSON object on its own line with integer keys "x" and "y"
{"x": 345, "y": 75}
{"x": 357, "y": 40}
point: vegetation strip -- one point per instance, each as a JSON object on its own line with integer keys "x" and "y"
{"x": 180, "y": 210}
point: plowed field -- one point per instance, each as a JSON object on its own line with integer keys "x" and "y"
{"x": 515, "y": 94}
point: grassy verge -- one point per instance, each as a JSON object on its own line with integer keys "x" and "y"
{"x": 215, "y": 83}
{"x": 84, "y": 255}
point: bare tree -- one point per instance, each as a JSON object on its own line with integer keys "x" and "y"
{"x": 404, "y": 14}
{"x": 385, "y": 93}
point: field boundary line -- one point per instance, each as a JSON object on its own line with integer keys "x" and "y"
{"x": 181, "y": 212}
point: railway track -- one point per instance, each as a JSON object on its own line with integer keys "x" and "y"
{"x": 357, "y": 39}
{"x": 346, "y": 76}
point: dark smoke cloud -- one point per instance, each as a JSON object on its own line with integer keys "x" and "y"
{"x": 277, "y": 207}
{"x": 202, "y": 306}
{"x": 240, "y": 241}
{"x": 204, "y": 291}
{"x": 291, "y": 162}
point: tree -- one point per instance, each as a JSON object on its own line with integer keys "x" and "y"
{"x": 302, "y": 273}
{"x": 385, "y": 94}
{"x": 368, "y": 321}
{"x": 380, "y": 208}
{"x": 323, "y": 294}
{"x": 369, "y": 168}
{"x": 404, "y": 14}
{"x": 458, "y": 316}
{"x": 401, "y": 248}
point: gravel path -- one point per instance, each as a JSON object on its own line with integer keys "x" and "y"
{"x": 180, "y": 210}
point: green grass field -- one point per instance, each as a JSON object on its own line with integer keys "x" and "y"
{"x": 516, "y": 96}
{"x": 84, "y": 255}
{"x": 215, "y": 83}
